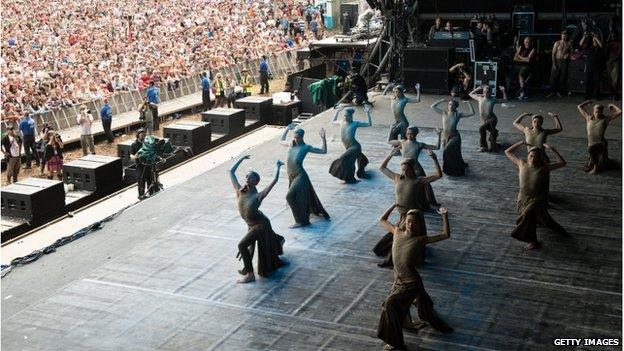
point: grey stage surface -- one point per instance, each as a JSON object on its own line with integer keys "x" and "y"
{"x": 161, "y": 276}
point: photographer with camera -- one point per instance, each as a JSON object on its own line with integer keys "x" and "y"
{"x": 85, "y": 120}
{"x": 147, "y": 116}
{"x": 53, "y": 154}
{"x": 592, "y": 44}
{"x": 144, "y": 173}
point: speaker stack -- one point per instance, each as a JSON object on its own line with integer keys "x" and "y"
{"x": 94, "y": 173}
{"x": 228, "y": 121}
{"x": 429, "y": 67}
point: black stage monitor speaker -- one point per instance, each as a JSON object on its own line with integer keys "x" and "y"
{"x": 433, "y": 82}
{"x": 194, "y": 134}
{"x": 427, "y": 58}
{"x": 36, "y": 200}
{"x": 352, "y": 10}
{"x": 283, "y": 114}
{"x": 96, "y": 173}
{"x": 256, "y": 108}
{"x": 429, "y": 67}
{"x": 229, "y": 121}
{"x": 123, "y": 151}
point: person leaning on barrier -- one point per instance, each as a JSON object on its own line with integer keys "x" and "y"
{"x": 143, "y": 172}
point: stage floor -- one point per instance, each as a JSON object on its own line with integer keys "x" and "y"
{"x": 161, "y": 275}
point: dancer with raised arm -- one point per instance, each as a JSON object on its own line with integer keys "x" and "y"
{"x": 409, "y": 193}
{"x": 344, "y": 167}
{"x": 301, "y": 196}
{"x": 410, "y": 240}
{"x": 534, "y": 180}
{"x": 597, "y": 147}
{"x": 535, "y": 136}
{"x": 486, "y": 103}
{"x": 453, "y": 162}
{"x": 399, "y": 101}
{"x": 410, "y": 149}
{"x": 259, "y": 227}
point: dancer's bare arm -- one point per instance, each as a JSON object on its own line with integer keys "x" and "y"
{"x": 446, "y": 231}
{"x": 560, "y": 161}
{"x": 383, "y": 221}
{"x": 438, "y": 173}
{"x": 384, "y": 165}
{"x": 323, "y": 149}
{"x": 233, "y": 177}
{"x": 510, "y": 153}
{"x": 269, "y": 187}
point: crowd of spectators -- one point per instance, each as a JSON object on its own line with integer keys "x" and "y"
{"x": 63, "y": 53}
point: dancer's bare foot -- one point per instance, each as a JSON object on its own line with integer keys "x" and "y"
{"x": 482, "y": 149}
{"x": 594, "y": 170}
{"x": 247, "y": 278}
{"x": 533, "y": 246}
{"x": 296, "y": 225}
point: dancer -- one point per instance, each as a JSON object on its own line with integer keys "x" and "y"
{"x": 535, "y": 136}
{"x": 597, "y": 124}
{"x": 534, "y": 179}
{"x": 301, "y": 196}
{"x": 486, "y": 103}
{"x": 399, "y": 101}
{"x": 259, "y": 227}
{"x": 344, "y": 167}
{"x": 409, "y": 240}
{"x": 409, "y": 193}
{"x": 453, "y": 163}
{"x": 410, "y": 149}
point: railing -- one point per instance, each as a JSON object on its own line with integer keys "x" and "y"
{"x": 127, "y": 101}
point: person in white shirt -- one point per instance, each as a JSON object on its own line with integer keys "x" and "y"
{"x": 85, "y": 120}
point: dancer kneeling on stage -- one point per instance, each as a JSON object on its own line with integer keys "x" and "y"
{"x": 408, "y": 288}
{"x": 259, "y": 227}
{"x": 534, "y": 179}
{"x": 453, "y": 162}
{"x": 301, "y": 196}
{"x": 597, "y": 123}
{"x": 409, "y": 193}
{"x": 410, "y": 149}
{"x": 344, "y": 167}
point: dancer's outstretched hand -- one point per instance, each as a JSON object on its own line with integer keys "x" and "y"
{"x": 322, "y": 133}
{"x": 291, "y": 126}
{"x": 442, "y": 211}
{"x": 279, "y": 163}
{"x": 246, "y": 157}
{"x": 431, "y": 154}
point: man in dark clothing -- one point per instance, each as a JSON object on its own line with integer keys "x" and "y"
{"x": 359, "y": 89}
{"x": 144, "y": 173}
{"x": 595, "y": 62}
{"x": 27, "y": 127}
{"x": 205, "y": 87}
{"x": 12, "y": 149}
{"x": 264, "y": 75}
{"x": 106, "y": 115}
